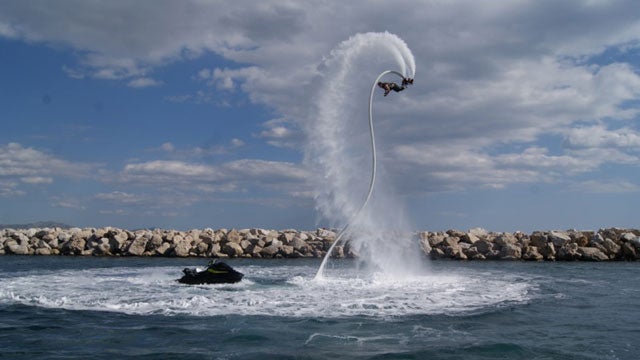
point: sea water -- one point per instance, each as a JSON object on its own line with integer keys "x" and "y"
{"x": 120, "y": 308}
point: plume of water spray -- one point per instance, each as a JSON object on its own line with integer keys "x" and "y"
{"x": 338, "y": 150}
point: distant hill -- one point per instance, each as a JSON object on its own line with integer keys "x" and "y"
{"x": 39, "y": 224}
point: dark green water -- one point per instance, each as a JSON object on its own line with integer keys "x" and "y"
{"x": 126, "y": 308}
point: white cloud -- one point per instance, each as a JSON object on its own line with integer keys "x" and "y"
{"x": 144, "y": 82}
{"x": 187, "y": 182}
{"x": 168, "y": 147}
{"x": 281, "y": 133}
{"x": 607, "y": 187}
{"x": 488, "y": 75}
{"x": 36, "y": 180}
{"x": 598, "y": 136}
{"x": 22, "y": 167}
{"x": 34, "y": 166}
{"x": 120, "y": 197}
{"x": 9, "y": 188}
{"x": 7, "y": 30}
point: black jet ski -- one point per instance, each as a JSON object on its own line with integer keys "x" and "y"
{"x": 215, "y": 273}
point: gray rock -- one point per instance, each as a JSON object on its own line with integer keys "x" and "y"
{"x": 326, "y": 234}
{"x": 232, "y": 249}
{"x": 469, "y": 238}
{"x": 256, "y": 251}
{"x": 629, "y": 251}
{"x": 17, "y": 249}
{"x": 138, "y": 246}
{"x": 202, "y": 248}
{"x": 181, "y": 249}
{"x": 43, "y": 245}
{"x": 234, "y": 236}
{"x": 43, "y": 251}
{"x": 74, "y": 246}
{"x": 478, "y": 232}
{"x": 559, "y": 238}
{"x": 635, "y": 242}
{"x": 568, "y": 251}
{"x": 244, "y": 244}
{"x": 592, "y": 254}
{"x": 270, "y": 251}
{"x": 483, "y": 246}
{"x": 531, "y": 254}
{"x": 611, "y": 248}
{"x": 505, "y": 239}
{"x": 548, "y": 251}
{"x": 163, "y": 249}
{"x": 286, "y": 237}
{"x": 510, "y": 252}
{"x": 287, "y": 250}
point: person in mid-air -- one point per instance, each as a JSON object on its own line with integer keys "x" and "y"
{"x": 395, "y": 87}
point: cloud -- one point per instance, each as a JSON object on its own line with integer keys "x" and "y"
{"x": 488, "y": 76}
{"x": 281, "y": 133}
{"x": 24, "y": 167}
{"x": 143, "y": 82}
{"x": 33, "y": 166}
{"x": 7, "y": 31}
{"x": 200, "y": 151}
{"x": 120, "y": 197}
{"x": 607, "y": 187}
{"x": 224, "y": 177}
{"x": 36, "y": 180}
{"x": 598, "y": 136}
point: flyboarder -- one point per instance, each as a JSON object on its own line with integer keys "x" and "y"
{"x": 395, "y": 87}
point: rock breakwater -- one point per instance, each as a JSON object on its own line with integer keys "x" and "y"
{"x": 475, "y": 244}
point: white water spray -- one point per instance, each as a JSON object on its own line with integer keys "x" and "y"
{"x": 337, "y": 151}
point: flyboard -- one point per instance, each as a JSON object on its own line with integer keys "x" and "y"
{"x": 340, "y": 236}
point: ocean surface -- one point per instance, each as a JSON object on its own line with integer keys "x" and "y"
{"x": 131, "y": 308}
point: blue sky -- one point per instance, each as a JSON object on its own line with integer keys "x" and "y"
{"x": 188, "y": 114}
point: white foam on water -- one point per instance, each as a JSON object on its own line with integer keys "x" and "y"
{"x": 271, "y": 291}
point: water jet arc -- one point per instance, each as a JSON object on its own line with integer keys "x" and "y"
{"x": 320, "y": 273}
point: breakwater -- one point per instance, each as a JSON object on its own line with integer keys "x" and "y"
{"x": 475, "y": 244}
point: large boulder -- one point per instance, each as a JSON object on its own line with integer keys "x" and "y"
{"x": 505, "y": 239}
{"x": 635, "y": 242}
{"x": 531, "y": 254}
{"x": 234, "y": 236}
{"x": 510, "y": 252}
{"x": 629, "y": 251}
{"x": 232, "y": 249}
{"x": 138, "y": 246}
{"x": 17, "y": 249}
{"x": 270, "y": 251}
{"x": 612, "y": 249}
{"x": 181, "y": 248}
{"x": 568, "y": 251}
{"x": 326, "y": 234}
{"x": 163, "y": 249}
{"x": 483, "y": 246}
{"x": 43, "y": 251}
{"x": 592, "y": 254}
{"x": 299, "y": 245}
{"x": 559, "y": 238}
{"x": 74, "y": 246}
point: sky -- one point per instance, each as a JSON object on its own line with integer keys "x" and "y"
{"x": 524, "y": 115}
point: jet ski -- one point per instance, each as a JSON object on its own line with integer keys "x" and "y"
{"x": 215, "y": 273}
